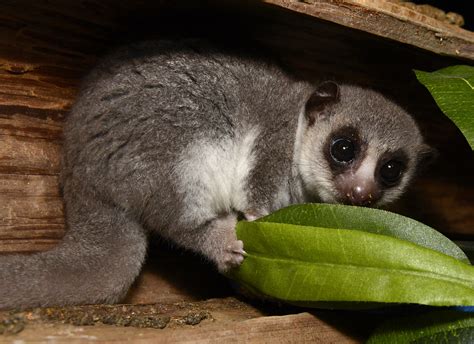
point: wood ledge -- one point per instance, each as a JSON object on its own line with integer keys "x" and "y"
{"x": 389, "y": 20}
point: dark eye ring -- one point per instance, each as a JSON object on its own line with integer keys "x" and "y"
{"x": 342, "y": 150}
{"x": 391, "y": 172}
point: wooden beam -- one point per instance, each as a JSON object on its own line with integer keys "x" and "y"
{"x": 389, "y": 20}
{"x": 31, "y": 210}
{"x": 217, "y": 320}
{"x": 31, "y": 215}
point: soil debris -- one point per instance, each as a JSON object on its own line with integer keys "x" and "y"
{"x": 143, "y": 316}
{"x": 157, "y": 316}
{"x": 194, "y": 318}
{"x": 11, "y": 324}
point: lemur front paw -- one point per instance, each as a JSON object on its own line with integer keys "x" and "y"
{"x": 223, "y": 247}
{"x": 232, "y": 256}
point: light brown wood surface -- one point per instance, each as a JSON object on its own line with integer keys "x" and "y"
{"x": 224, "y": 321}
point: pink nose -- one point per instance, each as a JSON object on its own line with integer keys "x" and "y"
{"x": 363, "y": 195}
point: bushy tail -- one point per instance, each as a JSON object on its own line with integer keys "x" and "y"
{"x": 97, "y": 261}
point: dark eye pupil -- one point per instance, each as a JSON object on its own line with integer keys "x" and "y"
{"x": 342, "y": 150}
{"x": 391, "y": 171}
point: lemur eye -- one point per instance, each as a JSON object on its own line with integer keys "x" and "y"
{"x": 342, "y": 150}
{"x": 391, "y": 172}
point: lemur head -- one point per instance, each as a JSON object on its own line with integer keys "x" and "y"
{"x": 357, "y": 146}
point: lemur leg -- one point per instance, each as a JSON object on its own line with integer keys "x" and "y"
{"x": 99, "y": 257}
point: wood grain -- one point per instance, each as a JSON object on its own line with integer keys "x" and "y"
{"x": 31, "y": 215}
{"x": 389, "y": 20}
{"x": 31, "y": 211}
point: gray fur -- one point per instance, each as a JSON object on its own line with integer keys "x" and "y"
{"x": 383, "y": 126}
{"x": 181, "y": 138}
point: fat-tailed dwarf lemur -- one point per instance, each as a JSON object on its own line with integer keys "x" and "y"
{"x": 184, "y": 138}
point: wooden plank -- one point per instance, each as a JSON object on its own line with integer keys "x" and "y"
{"x": 298, "y": 329}
{"x": 212, "y": 321}
{"x": 31, "y": 209}
{"x": 36, "y": 123}
{"x": 28, "y": 155}
{"x": 45, "y": 50}
{"x": 31, "y": 212}
{"x": 389, "y": 20}
{"x": 30, "y": 138}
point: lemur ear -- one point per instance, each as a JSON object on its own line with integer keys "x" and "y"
{"x": 325, "y": 94}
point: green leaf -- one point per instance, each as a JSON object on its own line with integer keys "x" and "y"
{"x": 453, "y": 90}
{"x": 368, "y": 220}
{"x": 290, "y": 261}
{"x": 434, "y": 327}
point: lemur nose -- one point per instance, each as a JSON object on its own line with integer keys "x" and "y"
{"x": 363, "y": 195}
